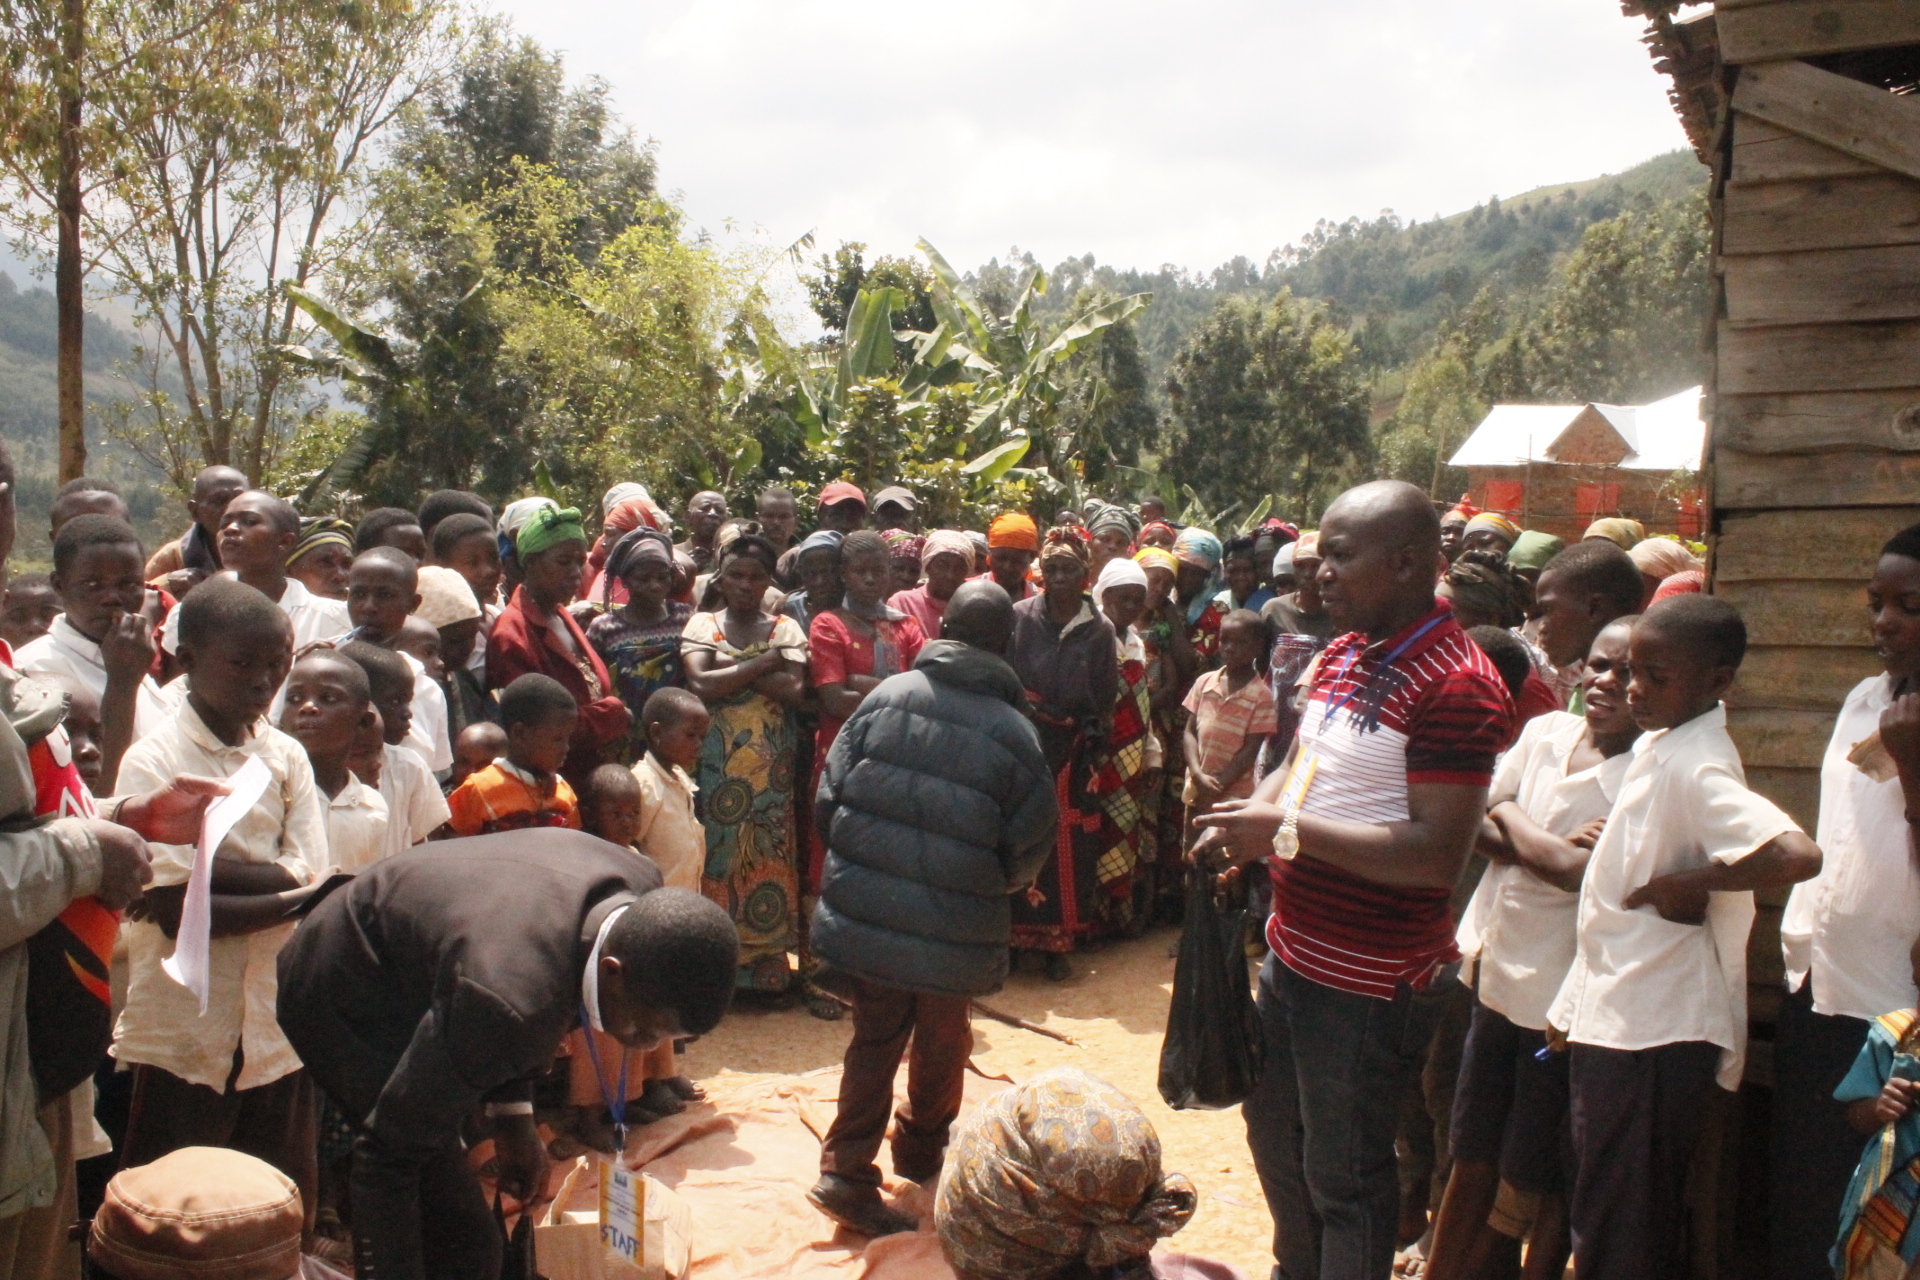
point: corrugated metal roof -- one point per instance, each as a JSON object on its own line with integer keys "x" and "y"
{"x": 1666, "y": 435}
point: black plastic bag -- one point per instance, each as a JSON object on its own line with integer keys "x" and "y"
{"x": 1213, "y": 1050}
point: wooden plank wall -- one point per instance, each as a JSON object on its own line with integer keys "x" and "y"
{"x": 1816, "y": 407}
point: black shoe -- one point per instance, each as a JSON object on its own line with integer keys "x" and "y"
{"x": 857, "y": 1208}
{"x": 1058, "y": 968}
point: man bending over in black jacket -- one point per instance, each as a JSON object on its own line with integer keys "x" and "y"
{"x": 440, "y": 983}
{"x": 936, "y": 804}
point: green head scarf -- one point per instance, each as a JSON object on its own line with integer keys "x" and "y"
{"x": 549, "y": 527}
{"x": 1532, "y": 549}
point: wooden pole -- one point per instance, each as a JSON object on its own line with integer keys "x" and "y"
{"x": 70, "y": 302}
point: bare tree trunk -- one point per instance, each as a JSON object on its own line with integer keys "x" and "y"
{"x": 67, "y": 287}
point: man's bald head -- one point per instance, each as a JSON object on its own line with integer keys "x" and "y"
{"x": 213, "y": 489}
{"x": 980, "y": 614}
{"x": 1380, "y": 556}
{"x": 1389, "y": 513}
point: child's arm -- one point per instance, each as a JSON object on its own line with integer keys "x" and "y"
{"x": 127, "y": 650}
{"x": 1890, "y": 1106}
{"x": 1559, "y": 862}
{"x": 245, "y": 897}
{"x": 1190, "y": 745}
{"x": 1681, "y": 897}
{"x": 1242, "y": 760}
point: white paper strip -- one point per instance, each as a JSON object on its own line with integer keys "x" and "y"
{"x": 188, "y": 963}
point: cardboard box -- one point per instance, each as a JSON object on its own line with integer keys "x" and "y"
{"x": 583, "y": 1245}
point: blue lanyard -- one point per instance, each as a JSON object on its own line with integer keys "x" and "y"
{"x": 616, "y": 1107}
{"x": 1391, "y": 658}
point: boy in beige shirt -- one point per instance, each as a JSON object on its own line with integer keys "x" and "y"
{"x": 226, "y": 1077}
{"x": 648, "y": 809}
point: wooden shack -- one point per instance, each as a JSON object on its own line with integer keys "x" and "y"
{"x": 1805, "y": 112}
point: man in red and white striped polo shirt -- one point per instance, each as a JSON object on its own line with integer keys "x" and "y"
{"x": 1365, "y": 832}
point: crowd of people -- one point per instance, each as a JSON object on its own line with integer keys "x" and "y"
{"x": 1508, "y": 859}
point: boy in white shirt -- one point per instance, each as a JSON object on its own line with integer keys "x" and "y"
{"x": 328, "y": 705}
{"x": 383, "y": 590}
{"x": 416, "y": 808}
{"x": 1654, "y": 1006}
{"x": 103, "y": 640}
{"x": 1550, "y": 794}
{"x": 226, "y": 1077}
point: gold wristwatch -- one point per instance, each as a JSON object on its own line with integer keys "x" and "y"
{"x": 1286, "y": 841}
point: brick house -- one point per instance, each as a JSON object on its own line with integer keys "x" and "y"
{"x": 1558, "y": 468}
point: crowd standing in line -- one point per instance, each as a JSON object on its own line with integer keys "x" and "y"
{"x": 1510, "y": 865}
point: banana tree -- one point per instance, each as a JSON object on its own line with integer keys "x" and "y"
{"x": 1012, "y": 363}
{"x": 364, "y": 358}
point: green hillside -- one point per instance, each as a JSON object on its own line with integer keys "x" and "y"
{"x": 1392, "y": 280}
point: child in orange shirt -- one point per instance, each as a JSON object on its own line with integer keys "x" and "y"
{"x": 523, "y": 788}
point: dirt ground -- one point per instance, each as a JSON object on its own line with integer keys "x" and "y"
{"x": 1115, "y": 1005}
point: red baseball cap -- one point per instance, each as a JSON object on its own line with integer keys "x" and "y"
{"x": 840, "y": 491}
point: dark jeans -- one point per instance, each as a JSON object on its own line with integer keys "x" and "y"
{"x": 1814, "y": 1148}
{"x": 1636, "y": 1116}
{"x": 1321, "y": 1121}
{"x": 420, "y": 1216}
{"x": 277, "y": 1123}
{"x": 884, "y": 1019}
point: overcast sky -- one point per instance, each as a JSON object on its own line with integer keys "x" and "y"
{"x": 1145, "y": 133}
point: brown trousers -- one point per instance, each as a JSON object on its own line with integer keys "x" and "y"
{"x": 34, "y": 1244}
{"x": 278, "y": 1123}
{"x": 884, "y": 1020}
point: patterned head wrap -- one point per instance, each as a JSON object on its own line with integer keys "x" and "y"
{"x": 1483, "y": 582}
{"x": 1308, "y": 548}
{"x": 445, "y": 597}
{"x": 1532, "y": 549}
{"x": 549, "y": 527}
{"x": 1108, "y": 516}
{"x": 1015, "y": 530}
{"x": 1683, "y": 583}
{"x": 1064, "y": 1168}
{"x": 1274, "y": 526}
{"x": 1155, "y": 529}
{"x": 1199, "y": 548}
{"x": 321, "y": 531}
{"x": 902, "y": 545}
{"x": 1464, "y": 507}
{"x": 1625, "y": 534}
{"x": 980, "y": 545}
{"x": 1663, "y": 557}
{"x": 637, "y": 547}
{"x": 1069, "y": 542}
{"x": 1118, "y": 572}
{"x": 1493, "y": 521}
{"x": 947, "y": 542}
{"x": 1156, "y": 558}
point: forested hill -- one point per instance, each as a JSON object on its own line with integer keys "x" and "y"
{"x": 1392, "y": 281}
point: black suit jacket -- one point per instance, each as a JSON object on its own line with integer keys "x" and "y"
{"x": 448, "y": 975}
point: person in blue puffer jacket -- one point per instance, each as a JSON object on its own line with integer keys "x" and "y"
{"x": 936, "y": 805}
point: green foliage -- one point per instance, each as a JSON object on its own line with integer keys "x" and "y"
{"x": 838, "y": 279}
{"x": 1267, "y": 399}
{"x": 544, "y": 305}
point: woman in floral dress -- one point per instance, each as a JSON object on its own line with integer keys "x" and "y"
{"x": 749, "y": 667}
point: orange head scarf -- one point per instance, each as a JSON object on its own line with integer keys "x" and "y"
{"x": 1015, "y": 530}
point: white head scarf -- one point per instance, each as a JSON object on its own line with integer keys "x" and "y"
{"x": 620, "y": 493}
{"x": 514, "y": 518}
{"x": 1283, "y": 560}
{"x": 1121, "y": 571}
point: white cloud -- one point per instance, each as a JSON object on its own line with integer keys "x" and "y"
{"x": 1143, "y": 133}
